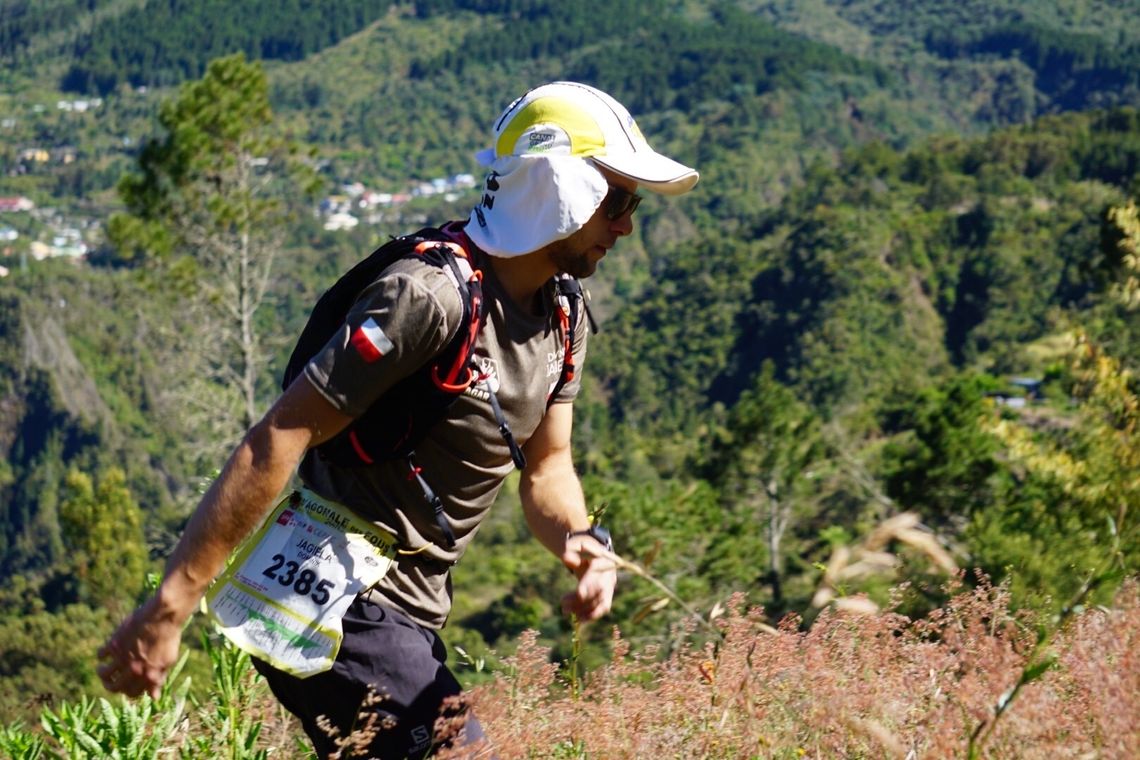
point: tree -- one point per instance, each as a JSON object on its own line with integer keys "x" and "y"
{"x": 102, "y": 530}
{"x": 206, "y": 212}
{"x": 941, "y": 461}
{"x": 763, "y": 463}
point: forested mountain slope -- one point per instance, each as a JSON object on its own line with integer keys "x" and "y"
{"x": 899, "y": 212}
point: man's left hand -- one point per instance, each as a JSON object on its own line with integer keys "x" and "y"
{"x": 597, "y": 577}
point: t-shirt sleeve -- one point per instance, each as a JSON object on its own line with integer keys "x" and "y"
{"x": 569, "y": 391}
{"x": 397, "y": 324}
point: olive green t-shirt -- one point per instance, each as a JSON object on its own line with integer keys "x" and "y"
{"x": 399, "y": 323}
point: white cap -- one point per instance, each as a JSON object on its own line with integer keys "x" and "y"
{"x": 543, "y": 184}
{"x": 572, "y": 119}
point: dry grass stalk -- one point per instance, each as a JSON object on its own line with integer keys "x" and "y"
{"x": 872, "y": 558}
{"x": 368, "y": 725}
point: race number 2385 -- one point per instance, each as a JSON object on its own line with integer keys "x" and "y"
{"x": 283, "y": 596}
{"x": 288, "y": 573}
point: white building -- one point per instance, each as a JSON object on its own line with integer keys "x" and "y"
{"x": 341, "y": 221}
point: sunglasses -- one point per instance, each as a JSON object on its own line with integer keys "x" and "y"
{"x": 619, "y": 202}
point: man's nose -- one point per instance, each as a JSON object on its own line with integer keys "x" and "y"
{"x": 623, "y": 225}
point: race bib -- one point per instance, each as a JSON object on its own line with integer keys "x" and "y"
{"x": 282, "y": 597}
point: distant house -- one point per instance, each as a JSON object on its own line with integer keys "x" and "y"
{"x": 335, "y": 204}
{"x": 78, "y": 106}
{"x": 1031, "y": 386}
{"x": 1022, "y": 392}
{"x": 17, "y": 203}
{"x": 341, "y": 221}
{"x": 37, "y": 155}
{"x": 369, "y": 198}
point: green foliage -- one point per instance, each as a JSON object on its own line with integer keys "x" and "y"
{"x": 657, "y": 365}
{"x": 19, "y": 744}
{"x": 1087, "y": 466}
{"x": 1039, "y": 540}
{"x": 46, "y": 657}
{"x": 215, "y": 192}
{"x": 164, "y": 43}
{"x": 102, "y": 530}
{"x": 23, "y": 22}
{"x": 210, "y": 129}
{"x": 766, "y": 464}
{"x": 228, "y": 724}
{"x": 1071, "y": 68}
{"x": 670, "y": 62}
{"x": 120, "y": 730}
{"x": 940, "y": 460}
{"x": 51, "y": 421}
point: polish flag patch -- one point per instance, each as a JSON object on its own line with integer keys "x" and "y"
{"x": 370, "y": 341}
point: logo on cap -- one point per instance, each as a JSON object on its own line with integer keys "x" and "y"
{"x": 539, "y": 142}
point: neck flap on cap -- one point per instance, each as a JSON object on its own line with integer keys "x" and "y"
{"x": 530, "y": 201}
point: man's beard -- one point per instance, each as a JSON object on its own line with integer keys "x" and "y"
{"x": 578, "y": 264}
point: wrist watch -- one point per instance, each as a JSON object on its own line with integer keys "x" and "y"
{"x": 596, "y": 532}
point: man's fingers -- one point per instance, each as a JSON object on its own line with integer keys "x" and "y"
{"x": 586, "y": 602}
{"x": 131, "y": 684}
{"x": 592, "y": 597}
{"x": 119, "y": 681}
{"x": 126, "y": 675}
{"x": 571, "y": 604}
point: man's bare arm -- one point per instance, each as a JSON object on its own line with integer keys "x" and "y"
{"x": 142, "y": 650}
{"x": 554, "y": 505}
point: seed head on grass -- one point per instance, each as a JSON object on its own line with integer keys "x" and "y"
{"x": 367, "y": 725}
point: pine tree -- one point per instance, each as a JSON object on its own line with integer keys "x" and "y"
{"x": 207, "y": 211}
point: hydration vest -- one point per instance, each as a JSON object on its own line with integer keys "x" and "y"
{"x": 395, "y": 423}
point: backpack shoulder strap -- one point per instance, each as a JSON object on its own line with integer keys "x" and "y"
{"x": 455, "y": 262}
{"x": 572, "y": 301}
{"x": 398, "y": 420}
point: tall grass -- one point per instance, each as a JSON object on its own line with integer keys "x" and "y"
{"x": 853, "y": 685}
{"x": 858, "y": 685}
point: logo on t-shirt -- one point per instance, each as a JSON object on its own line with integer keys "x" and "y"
{"x": 488, "y": 379}
{"x": 554, "y": 363}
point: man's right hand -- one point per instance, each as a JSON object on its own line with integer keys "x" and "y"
{"x": 141, "y": 652}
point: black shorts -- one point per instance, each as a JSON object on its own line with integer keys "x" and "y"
{"x": 403, "y": 663}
